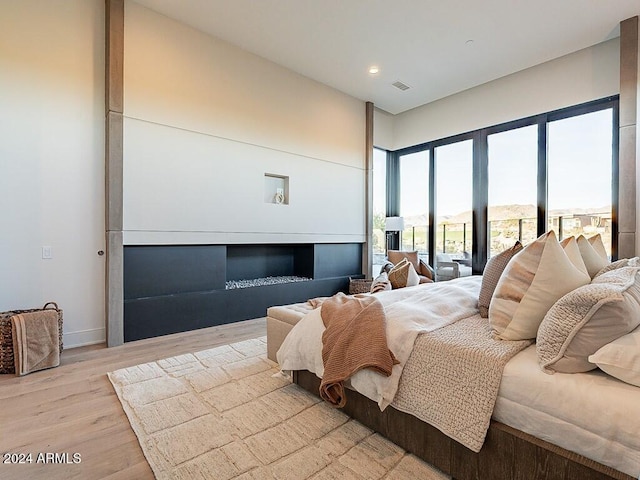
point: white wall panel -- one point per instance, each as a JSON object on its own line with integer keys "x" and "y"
{"x": 204, "y": 121}
{"x": 212, "y": 190}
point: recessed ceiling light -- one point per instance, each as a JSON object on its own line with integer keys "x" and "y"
{"x": 374, "y": 70}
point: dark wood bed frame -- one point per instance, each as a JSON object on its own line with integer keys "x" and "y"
{"x": 507, "y": 454}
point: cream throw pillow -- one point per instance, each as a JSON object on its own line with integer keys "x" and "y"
{"x": 598, "y": 245}
{"x": 530, "y": 284}
{"x": 572, "y": 250}
{"x": 588, "y": 318}
{"x": 592, "y": 259}
{"x": 621, "y": 358}
{"x": 403, "y": 275}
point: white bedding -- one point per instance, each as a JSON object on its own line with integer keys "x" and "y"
{"x": 591, "y": 413}
{"x": 409, "y": 311}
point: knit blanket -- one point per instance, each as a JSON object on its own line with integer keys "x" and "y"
{"x": 452, "y": 377}
{"x": 354, "y": 339}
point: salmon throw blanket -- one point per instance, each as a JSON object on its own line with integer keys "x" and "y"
{"x": 354, "y": 338}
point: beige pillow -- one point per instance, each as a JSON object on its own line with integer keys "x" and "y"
{"x": 381, "y": 283}
{"x": 592, "y": 259}
{"x": 492, "y": 272}
{"x": 598, "y": 245}
{"x": 403, "y": 275}
{"x": 570, "y": 246}
{"x": 396, "y": 256}
{"x": 531, "y": 283}
{"x": 588, "y": 318}
{"x": 621, "y": 358}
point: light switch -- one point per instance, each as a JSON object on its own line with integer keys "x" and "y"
{"x": 47, "y": 253}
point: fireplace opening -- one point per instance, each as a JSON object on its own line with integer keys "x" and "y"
{"x": 258, "y": 265}
{"x": 260, "y": 282}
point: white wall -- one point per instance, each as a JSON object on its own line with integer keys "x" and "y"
{"x": 582, "y": 76}
{"x": 204, "y": 122}
{"x": 52, "y": 160}
{"x": 383, "y": 123}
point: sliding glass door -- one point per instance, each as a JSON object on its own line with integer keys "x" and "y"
{"x": 512, "y": 187}
{"x": 414, "y": 202}
{"x": 379, "y": 207}
{"x": 454, "y": 197}
{"x": 579, "y": 171}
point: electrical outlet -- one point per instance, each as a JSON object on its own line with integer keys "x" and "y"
{"x": 47, "y": 253}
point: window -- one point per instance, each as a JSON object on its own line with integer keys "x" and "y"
{"x": 414, "y": 201}
{"x": 487, "y": 187}
{"x": 454, "y": 194}
{"x": 579, "y": 172}
{"x": 512, "y": 189}
{"x": 379, "y": 204}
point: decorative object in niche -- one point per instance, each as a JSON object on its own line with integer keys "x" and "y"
{"x": 276, "y": 189}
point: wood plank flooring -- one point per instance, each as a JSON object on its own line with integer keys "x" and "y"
{"x": 74, "y": 409}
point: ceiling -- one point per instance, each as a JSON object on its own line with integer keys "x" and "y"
{"x": 436, "y": 47}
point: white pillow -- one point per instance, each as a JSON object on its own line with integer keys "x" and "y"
{"x": 621, "y": 358}
{"x": 531, "y": 283}
{"x": 570, "y": 246}
{"x": 592, "y": 259}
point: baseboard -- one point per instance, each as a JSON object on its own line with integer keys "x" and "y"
{"x": 84, "y": 337}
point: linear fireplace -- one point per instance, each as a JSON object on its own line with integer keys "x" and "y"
{"x": 175, "y": 288}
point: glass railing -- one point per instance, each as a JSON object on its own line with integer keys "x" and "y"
{"x": 455, "y": 238}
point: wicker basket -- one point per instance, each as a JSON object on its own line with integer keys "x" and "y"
{"x": 359, "y": 285}
{"x": 6, "y": 340}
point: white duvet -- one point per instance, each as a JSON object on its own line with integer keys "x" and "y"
{"x": 409, "y": 312}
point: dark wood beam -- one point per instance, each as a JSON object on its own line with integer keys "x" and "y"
{"x": 367, "y": 248}
{"x": 114, "y": 103}
{"x": 629, "y": 148}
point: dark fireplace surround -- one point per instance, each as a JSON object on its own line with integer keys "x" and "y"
{"x": 176, "y": 288}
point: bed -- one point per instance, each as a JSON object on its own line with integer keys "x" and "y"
{"x": 565, "y": 426}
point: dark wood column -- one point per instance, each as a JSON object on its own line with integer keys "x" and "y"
{"x": 114, "y": 102}
{"x": 629, "y": 135}
{"x": 367, "y": 248}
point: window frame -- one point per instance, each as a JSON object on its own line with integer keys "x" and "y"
{"x": 480, "y": 234}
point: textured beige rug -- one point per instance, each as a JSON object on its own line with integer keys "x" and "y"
{"x": 224, "y": 413}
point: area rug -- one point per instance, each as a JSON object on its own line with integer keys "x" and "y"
{"x": 227, "y": 413}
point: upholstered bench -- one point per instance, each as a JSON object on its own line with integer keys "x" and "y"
{"x": 280, "y": 321}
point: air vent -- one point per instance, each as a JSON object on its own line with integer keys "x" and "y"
{"x": 401, "y": 85}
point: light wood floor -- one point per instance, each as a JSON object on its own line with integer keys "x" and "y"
{"x": 74, "y": 409}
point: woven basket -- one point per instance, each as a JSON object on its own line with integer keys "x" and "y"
{"x": 6, "y": 340}
{"x": 359, "y": 285}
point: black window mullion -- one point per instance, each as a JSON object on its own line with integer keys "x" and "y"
{"x": 615, "y": 178}
{"x": 480, "y": 202}
{"x": 393, "y": 184}
{"x": 542, "y": 175}
{"x": 432, "y": 208}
